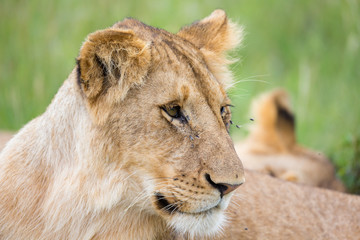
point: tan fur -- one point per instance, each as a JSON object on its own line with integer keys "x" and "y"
{"x": 4, "y": 138}
{"x": 271, "y": 146}
{"x": 268, "y": 208}
{"x": 213, "y": 47}
{"x": 107, "y": 161}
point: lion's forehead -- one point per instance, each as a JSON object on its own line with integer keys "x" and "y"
{"x": 171, "y": 52}
{"x": 177, "y": 53}
{"x": 186, "y": 72}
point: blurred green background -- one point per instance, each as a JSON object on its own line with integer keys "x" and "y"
{"x": 311, "y": 48}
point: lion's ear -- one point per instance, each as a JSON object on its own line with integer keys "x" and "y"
{"x": 274, "y": 119}
{"x": 214, "y": 33}
{"x": 214, "y": 36}
{"x": 110, "y": 62}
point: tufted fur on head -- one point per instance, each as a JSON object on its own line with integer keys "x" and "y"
{"x": 215, "y": 47}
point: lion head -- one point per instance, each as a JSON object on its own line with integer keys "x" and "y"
{"x": 161, "y": 99}
{"x": 135, "y": 143}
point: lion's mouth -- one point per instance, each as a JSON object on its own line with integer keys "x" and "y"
{"x": 196, "y": 217}
{"x": 171, "y": 208}
{"x": 164, "y": 204}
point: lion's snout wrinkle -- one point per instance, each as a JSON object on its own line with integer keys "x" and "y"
{"x": 222, "y": 168}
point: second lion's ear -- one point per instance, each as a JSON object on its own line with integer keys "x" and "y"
{"x": 110, "y": 62}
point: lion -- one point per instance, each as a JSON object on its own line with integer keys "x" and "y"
{"x": 135, "y": 145}
{"x": 271, "y": 146}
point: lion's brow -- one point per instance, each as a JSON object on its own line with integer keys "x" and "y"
{"x": 178, "y": 51}
{"x": 191, "y": 56}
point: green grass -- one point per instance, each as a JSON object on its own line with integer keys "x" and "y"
{"x": 311, "y": 48}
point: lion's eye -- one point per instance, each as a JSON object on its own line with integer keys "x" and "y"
{"x": 174, "y": 114}
{"x": 222, "y": 111}
{"x": 226, "y": 115}
{"x": 173, "y": 111}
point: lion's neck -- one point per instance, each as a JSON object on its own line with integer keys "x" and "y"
{"x": 81, "y": 189}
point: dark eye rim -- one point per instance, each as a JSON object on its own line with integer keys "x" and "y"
{"x": 178, "y": 118}
{"x": 223, "y": 111}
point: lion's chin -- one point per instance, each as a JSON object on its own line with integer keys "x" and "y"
{"x": 201, "y": 224}
{"x": 197, "y": 225}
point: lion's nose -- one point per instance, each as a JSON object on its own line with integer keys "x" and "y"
{"x": 224, "y": 188}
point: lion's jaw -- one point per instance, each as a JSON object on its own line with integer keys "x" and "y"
{"x": 194, "y": 218}
{"x": 203, "y": 220}
{"x": 205, "y": 223}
